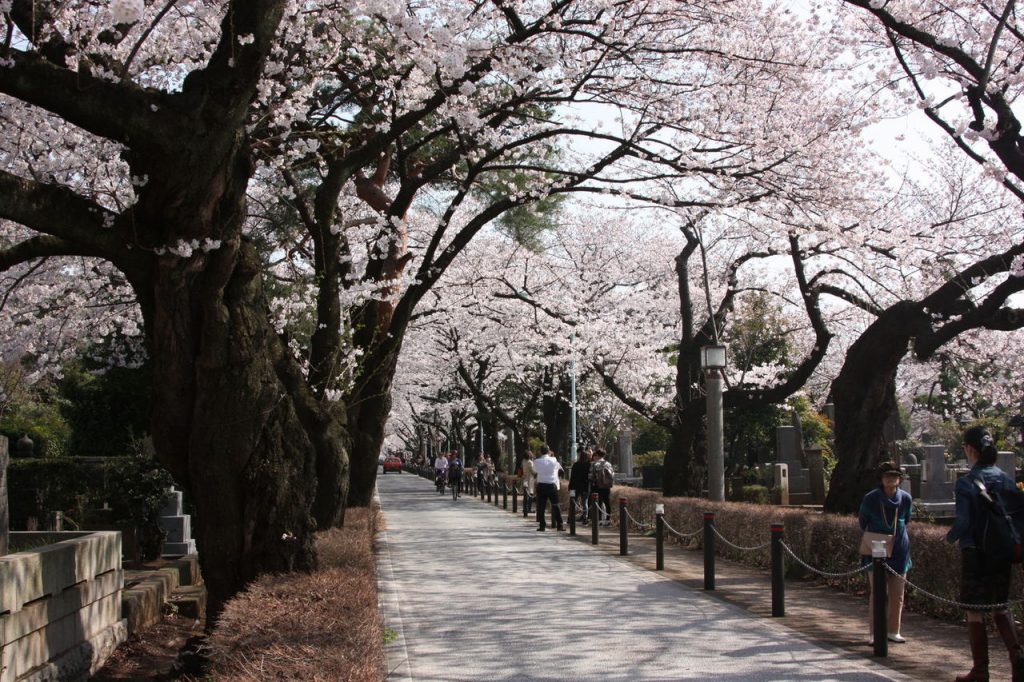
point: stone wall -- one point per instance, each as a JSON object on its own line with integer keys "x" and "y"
{"x": 60, "y": 608}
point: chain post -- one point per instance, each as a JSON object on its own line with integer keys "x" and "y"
{"x": 778, "y": 572}
{"x": 515, "y": 499}
{"x": 659, "y": 537}
{"x": 593, "y": 519}
{"x": 572, "y": 512}
{"x": 879, "y": 596}
{"x": 709, "y": 551}
{"x": 504, "y": 495}
{"x": 623, "y": 525}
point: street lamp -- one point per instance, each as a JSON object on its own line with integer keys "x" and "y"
{"x": 572, "y": 399}
{"x": 712, "y": 361}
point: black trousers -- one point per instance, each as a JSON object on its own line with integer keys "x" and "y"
{"x": 604, "y": 500}
{"x": 546, "y": 492}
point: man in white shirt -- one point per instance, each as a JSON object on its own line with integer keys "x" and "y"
{"x": 441, "y": 471}
{"x": 547, "y": 468}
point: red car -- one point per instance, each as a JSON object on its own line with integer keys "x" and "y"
{"x": 392, "y": 464}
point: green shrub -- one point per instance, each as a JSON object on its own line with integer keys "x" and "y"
{"x": 650, "y": 459}
{"x": 43, "y": 423}
{"x": 755, "y": 494}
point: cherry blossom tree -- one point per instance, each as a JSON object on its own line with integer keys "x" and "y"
{"x": 268, "y": 190}
{"x": 957, "y": 61}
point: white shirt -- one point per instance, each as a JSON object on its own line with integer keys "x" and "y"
{"x": 441, "y": 463}
{"x": 547, "y": 468}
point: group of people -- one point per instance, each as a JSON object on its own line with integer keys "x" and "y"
{"x": 985, "y": 575}
{"x": 448, "y": 470}
{"x": 541, "y": 476}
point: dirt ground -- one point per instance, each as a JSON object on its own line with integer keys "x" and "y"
{"x": 152, "y": 655}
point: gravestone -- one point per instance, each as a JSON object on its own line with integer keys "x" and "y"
{"x": 626, "y": 453}
{"x": 934, "y": 486}
{"x": 780, "y": 482}
{"x": 815, "y": 474}
{"x": 789, "y": 450}
{"x": 4, "y": 520}
{"x": 1007, "y": 461}
{"x": 177, "y": 525}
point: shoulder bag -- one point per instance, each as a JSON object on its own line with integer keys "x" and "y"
{"x": 887, "y": 538}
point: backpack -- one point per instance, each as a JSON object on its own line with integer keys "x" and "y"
{"x": 604, "y": 476}
{"x": 1002, "y": 522}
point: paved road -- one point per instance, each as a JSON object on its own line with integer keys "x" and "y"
{"x": 475, "y": 593}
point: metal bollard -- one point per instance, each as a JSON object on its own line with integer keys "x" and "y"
{"x": 488, "y": 484}
{"x": 495, "y": 493}
{"x": 504, "y": 495}
{"x": 880, "y": 597}
{"x": 572, "y": 512}
{"x": 659, "y": 537}
{"x": 709, "y": 551}
{"x": 778, "y": 571}
{"x": 623, "y": 525}
{"x": 515, "y": 500}
{"x": 593, "y": 519}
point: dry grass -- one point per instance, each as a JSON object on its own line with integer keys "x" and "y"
{"x": 308, "y": 626}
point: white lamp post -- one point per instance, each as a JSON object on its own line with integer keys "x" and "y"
{"x": 712, "y": 361}
{"x": 572, "y": 399}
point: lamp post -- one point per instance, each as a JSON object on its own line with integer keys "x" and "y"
{"x": 712, "y": 361}
{"x": 572, "y": 399}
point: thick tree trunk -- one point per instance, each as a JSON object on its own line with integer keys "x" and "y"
{"x": 864, "y": 395}
{"x": 685, "y": 459}
{"x": 368, "y": 415}
{"x": 234, "y": 421}
{"x": 557, "y": 412}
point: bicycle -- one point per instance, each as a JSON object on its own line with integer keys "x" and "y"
{"x": 454, "y": 484}
{"x": 440, "y": 477}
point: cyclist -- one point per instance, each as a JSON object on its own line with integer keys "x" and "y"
{"x": 455, "y": 474}
{"x": 440, "y": 471}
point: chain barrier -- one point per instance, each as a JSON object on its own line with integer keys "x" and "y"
{"x": 951, "y": 602}
{"x": 735, "y": 546}
{"x": 826, "y": 574}
{"x": 642, "y": 526}
{"x": 677, "y": 533}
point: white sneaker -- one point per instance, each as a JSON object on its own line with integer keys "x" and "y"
{"x": 898, "y": 638}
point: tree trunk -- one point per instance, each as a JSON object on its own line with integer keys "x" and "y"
{"x": 234, "y": 421}
{"x": 369, "y": 409}
{"x": 685, "y": 459}
{"x": 864, "y": 395}
{"x": 557, "y": 413}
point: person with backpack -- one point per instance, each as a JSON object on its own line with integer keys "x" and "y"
{"x": 988, "y": 503}
{"x": 886, "y": 510}
{"x": 579, "y": 482}
{"x": 602, "y": 477}
{"x": 455, "y": 472}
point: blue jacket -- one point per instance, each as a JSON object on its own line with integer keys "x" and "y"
{"x": 878, "y": 513}
{"x": 968, "y": 498}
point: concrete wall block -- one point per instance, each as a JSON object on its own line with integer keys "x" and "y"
{"x": 36, "y": 615}
{"x": 49, "y": 570}
{"x": 81, "y": 661}
{"x": 59, "y": 636}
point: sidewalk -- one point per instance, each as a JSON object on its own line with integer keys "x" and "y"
{"x": 471, "y": 591}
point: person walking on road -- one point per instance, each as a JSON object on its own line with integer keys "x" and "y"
{"x": 529, "y": 482}
{"x": 579, "y": 482}
{"x": 547, "y": 468}
{"x": 602, "y": 476}
{"x": 984, "y": 575}
{"x": 887, "y": 509}
{"x": 455, "y": 472}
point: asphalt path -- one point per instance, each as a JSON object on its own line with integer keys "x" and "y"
{"x": 470, "y": 592}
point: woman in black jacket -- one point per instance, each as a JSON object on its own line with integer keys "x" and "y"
{"x": 579, "y": 481}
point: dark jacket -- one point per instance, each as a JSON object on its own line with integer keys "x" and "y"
{"x": 579, "y": 477}
{"x": 968, "y": 502}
